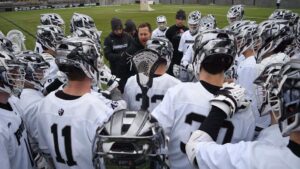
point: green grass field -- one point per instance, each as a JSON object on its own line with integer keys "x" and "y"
{"x": 28, "y": 20}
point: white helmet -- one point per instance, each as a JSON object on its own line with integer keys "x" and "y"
{"x": 194, "y": 22}
{"x": 78, "y": 52}
{"x": 298, "y": 35}
{"x": 215, "y": 50}
{"x": 91, "y": 33}
{"x": 269, "y": 68}
{"x": 53, "y": 19}
{"x": 208, "y": 22}
{"x": 130, "y": 139}
{"x": 35, "y": 68}
{"x": 161, "y": 22}
{"x": 235, "y": 13}
{"x": 6, "y": 44}
{"x": 275, "y": 36}
{"x": 49, "y": 36}
{"x": 12, "y": 74}
{"x": 81, "y": 21}
{"x": 163, "y": 47}
{"x": 245, "y": 37}
{"x": 236, "y": 25}
{"x": 288, "y": 92}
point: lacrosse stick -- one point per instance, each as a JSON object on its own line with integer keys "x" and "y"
{"x": 18, "y": 40}
{"x": 145, "y": 63}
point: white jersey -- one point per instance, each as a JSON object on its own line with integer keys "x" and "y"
{"x": 182, "y": 111}
{"x": 38, "y": 48}
{"x": 295, "y": 54}
{"x": 15, "y": 152}
{"x": 189, "y": 53}
{"x": 269, "y": 152}
{"x": 188, "y": 56}
{"x": 65, "y": 129}
{"x": 133, "y": 94}
{"x": 247, "y": 72}
{"x": 157, "y": 33}
{"x": 28, "y": 98}
{"x": 186, "y": 41}
{"x": 51, "y": 73}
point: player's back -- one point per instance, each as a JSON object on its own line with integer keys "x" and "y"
{"x": 67, "y": 126}
{"x": 182, "y": 111}
{"x": 15, "y": 151}
{"x": 133, "y": 94}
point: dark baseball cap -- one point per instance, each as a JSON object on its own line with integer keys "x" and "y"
{"x": 116, "y": 24}
{"x": 181, "y": 15}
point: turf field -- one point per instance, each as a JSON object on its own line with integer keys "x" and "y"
{"x": 28, "y": 20}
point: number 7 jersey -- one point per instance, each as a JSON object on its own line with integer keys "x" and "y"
{"x": 65, "y": 129}
{"x": 182, "y": 111}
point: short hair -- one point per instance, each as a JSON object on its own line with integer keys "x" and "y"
{"x": 146, "y": 24}
{"x": 73, "y": 73}
{"x": 180, "y": 14}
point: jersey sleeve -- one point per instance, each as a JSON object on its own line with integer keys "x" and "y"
{"x": 164, "y": 112}
{"x": 188, "y": 55}
{"x": 126, "y": 96}
{"x": 227, "y": 156}
{"x": 154, "y": 34}
{"x": 181, "y": 43}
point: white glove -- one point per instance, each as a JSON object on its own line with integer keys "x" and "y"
{"x": 191, "y": 146}
{"x": 176, "y": 70}
{"x": 230, "y": 98}
{"x": 187, "y": 66}
{"x": 190, "y": 68}
{"x": 105, "y": 77}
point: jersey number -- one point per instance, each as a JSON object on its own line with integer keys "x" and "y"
{"x": 154, "y": 98}
{"x": 66, "y": 133}
{"x": 200, "y": 118}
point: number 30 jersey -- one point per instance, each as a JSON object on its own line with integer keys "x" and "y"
{"x": 65, "y": 129}
{"x": 182, "y": 111}
{"x": 133, "y": 94}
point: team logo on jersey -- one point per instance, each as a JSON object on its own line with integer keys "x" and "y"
{"x": 61, "y": 112}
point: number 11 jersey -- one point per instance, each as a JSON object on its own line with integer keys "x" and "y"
{"x": 66, "y": 128}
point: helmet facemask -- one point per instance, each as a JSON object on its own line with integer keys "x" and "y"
{"x": 235, "y": 13}
{"x": 288, "y": 93}
{"x": 135, "y": 141}
{"x": 13, "y": 77}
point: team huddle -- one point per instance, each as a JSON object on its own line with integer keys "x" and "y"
{"x": 176, "y": 97}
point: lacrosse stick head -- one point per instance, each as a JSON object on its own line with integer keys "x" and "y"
{"x": 18, "y": 40}
{"x": 145, "y": 62}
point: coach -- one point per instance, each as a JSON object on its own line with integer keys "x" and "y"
{"x": 114, "y": 45}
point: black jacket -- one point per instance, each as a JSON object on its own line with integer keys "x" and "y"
{"x": 114, "y": 46}
{"x": 174, "y": 34}
{"x": 128, "y": 69}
